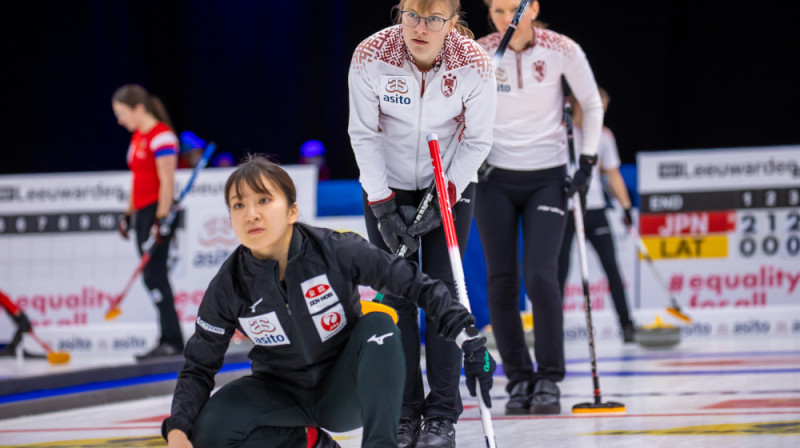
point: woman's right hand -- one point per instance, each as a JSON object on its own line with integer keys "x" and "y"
{"x": 392, "y": 226}
{"x": 178, "y": 439}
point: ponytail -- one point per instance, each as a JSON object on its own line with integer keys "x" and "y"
{"x": 156, "y": 107}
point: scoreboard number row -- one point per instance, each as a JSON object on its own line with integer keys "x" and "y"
{"x": 750, "y": 223}
{"x": 104, "y": 221}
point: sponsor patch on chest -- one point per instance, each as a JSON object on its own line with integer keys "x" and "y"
{"x": 265, "y": 330}
{"x": 330, "y": 322}
{"x": 318, "y": 293}
{"x": 395, "y": 90}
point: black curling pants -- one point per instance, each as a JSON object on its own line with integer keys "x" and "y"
{"x": 537, "y": 199}
{"x": 363, "y": 388}
{"x": 598, "y": 233}
{"x": 442, "y": 357}
{"x": 155, "y": 277}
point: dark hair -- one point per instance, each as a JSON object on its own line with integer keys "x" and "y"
{"x": 253, "y": 171}
{"x": 133, "y": 94}
{"x": 424, "y": 5}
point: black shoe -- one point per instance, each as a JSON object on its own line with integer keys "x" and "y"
{"x": 159, "y": 351}
{"x": 324, "y": 440}
{"x": 408, "y": 432}
{"x": 437, "y": 432}
{"x": 520, "y": 399}
{"x": 628, "y": 333}
{"x": 545, "y": 398}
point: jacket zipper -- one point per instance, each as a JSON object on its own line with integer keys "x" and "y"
{"x": 298, "y": 324}
{"x": 519, "y": 68}
{"x": 419, "y": 129}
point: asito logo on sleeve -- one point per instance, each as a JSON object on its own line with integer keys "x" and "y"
{"x": 265, "y": 330}
{"x": 330, "y": 322}
{"x": 318, "y": 293}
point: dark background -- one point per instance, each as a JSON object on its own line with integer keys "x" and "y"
{"x": 265, "y": 76}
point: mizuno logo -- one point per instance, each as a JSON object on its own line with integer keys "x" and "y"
{"x": 253, "y": 306}
{"x": 378, "y": 339}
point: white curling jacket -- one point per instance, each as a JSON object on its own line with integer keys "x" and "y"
{"x": 394, "y": 106}
{"x": 529, "y": 132}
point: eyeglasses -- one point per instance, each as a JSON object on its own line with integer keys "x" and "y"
{"x": 432, "y": 23}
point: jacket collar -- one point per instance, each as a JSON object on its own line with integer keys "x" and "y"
{"x": 253, "y": 264}
{"x": 448, "y": 40}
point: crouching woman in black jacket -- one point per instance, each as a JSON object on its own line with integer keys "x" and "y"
{"x": 318, "y": 360}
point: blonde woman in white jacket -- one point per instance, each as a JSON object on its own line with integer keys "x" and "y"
{"x": 423, "y": 75}
{"x": 525, "y": 182}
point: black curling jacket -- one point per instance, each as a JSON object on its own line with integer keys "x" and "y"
{"x": 301, "y": 325}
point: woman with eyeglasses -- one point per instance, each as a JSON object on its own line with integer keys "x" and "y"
{"x": 423, "y": 75}
{"x": 524, "y": 180}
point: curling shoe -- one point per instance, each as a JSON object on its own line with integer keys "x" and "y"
{"x": 519, "y": 400}
{"x": 629, "y": 334}
{"x": 408, "y": 432}
{"x": 161, "y": 350}
{"x": 545, "y": 398}
{"x": 437, "y": 432}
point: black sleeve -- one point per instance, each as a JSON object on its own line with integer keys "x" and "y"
{"x": 204, "y": 353}
{"x": 380, "y": 270}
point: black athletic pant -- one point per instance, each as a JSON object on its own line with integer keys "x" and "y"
{"x": 442, "y": 357}
{"x": 599, "y": 234}
{"x": 155, "y": 277}
{"x": 363, "y": 388}
{"x": 536, "y": 197}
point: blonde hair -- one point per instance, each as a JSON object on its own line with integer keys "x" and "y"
{"x": 425, "y": 5}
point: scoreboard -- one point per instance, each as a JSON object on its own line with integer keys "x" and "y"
{"x": 722, "y": 226}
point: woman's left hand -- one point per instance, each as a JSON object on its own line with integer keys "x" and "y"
{"x": 479, "y": 365}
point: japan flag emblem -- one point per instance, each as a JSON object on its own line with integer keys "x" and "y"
{"x": 449, "y": 83}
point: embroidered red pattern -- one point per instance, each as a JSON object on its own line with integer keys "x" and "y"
{"x": 460, "y": 51}
{"x": 490, "y": 42}
{"x": 556, "y": 42}
{"x": 460, "y": 119}
{"x": 386, "y": 45}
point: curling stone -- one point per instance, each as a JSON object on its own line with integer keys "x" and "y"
{"x": 658, "y": 335}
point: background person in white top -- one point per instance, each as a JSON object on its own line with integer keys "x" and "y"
{"x": 423, "y": 75}
{"x": 524, "y": 179}
{"x": 595, "y": 223}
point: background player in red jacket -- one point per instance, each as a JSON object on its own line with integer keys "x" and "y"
{"x": 152, "y": 158}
